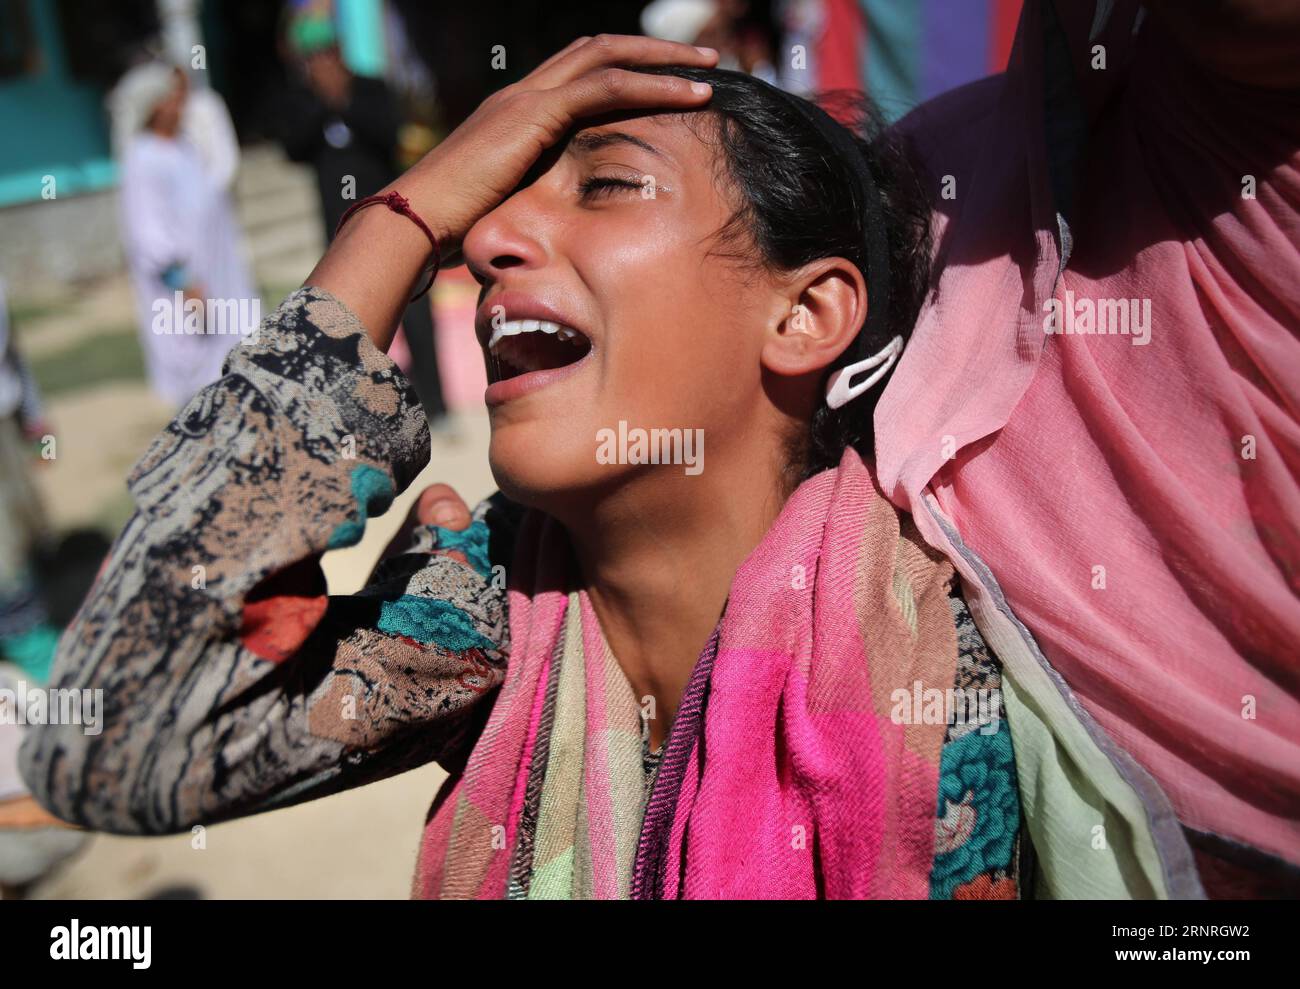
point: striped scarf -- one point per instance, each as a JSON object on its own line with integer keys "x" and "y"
{"x": 783, "y": 776}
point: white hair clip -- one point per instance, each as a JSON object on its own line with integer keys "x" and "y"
{"x": 838, "y": 390}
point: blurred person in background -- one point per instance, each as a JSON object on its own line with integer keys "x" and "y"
{"x": 206, "y": 124}
{"x": 27, "y": 637}
{"x": 180, "y": 231}
{"x": 737, "y": 29}
{"x": 32, "y": 841}
{"x": 347, "y": 127}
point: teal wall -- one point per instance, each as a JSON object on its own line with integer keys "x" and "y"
{"x": 51, "y": 125}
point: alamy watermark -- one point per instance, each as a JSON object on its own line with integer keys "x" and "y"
{"x": 181, "y": 316}
{"x": 980, "y": 708}
{"x": 651, "y": 446}
{"x": 1102, "y": 317}
{"x": 24, "y": 705}
{"x": 102, "y": 943}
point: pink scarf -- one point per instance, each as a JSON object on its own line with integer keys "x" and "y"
{"x": 800, "y": 783}
{"x": 1137, "y": 500}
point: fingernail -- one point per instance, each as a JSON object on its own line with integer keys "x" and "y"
{"x": 701, "y": 88}
{"x": 444, "y": 512}
{"x": 706, "y": 51}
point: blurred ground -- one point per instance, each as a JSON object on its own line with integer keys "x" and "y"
{"x": 84, "y": 352}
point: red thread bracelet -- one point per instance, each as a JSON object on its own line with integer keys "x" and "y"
{"x": 398, "y": 203}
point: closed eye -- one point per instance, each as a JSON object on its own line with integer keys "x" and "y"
{"x": 599, "y": 185}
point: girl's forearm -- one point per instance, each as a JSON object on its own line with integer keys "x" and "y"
{"x": 376, "y": 263}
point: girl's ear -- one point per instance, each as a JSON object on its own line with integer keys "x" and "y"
{"x": 824, "y": 306}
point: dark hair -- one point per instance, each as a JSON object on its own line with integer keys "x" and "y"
{"x": 800, "y": 201}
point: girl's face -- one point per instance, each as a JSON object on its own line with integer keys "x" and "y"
{"x": 617, "y": 239}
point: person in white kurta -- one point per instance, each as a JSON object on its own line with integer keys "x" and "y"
{"x": 181, "y": 237}
{"x": 206, "y": 124}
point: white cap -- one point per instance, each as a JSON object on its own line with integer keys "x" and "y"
{"x": 677, "y": 20}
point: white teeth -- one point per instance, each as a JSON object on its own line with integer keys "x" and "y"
{"x": 514, "y": 327}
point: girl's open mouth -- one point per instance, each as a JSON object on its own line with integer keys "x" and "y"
{"x": 521, "y": 346}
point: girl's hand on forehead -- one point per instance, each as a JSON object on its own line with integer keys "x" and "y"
{"x": 484, "y": 159}
{"x": 374, "y": 262}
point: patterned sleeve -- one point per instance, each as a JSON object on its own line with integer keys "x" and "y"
{"x": 978, "y": 845}
{"x": 231, "y": 682}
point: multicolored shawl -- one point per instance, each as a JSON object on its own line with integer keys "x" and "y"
{"x": 785, "y": 774}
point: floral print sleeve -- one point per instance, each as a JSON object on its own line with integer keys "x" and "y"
{"x": 232, "y": 683}
{"x": 978, "y": 844}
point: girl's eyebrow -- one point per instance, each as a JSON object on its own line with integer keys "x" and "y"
{"x": 588, "y": 141}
